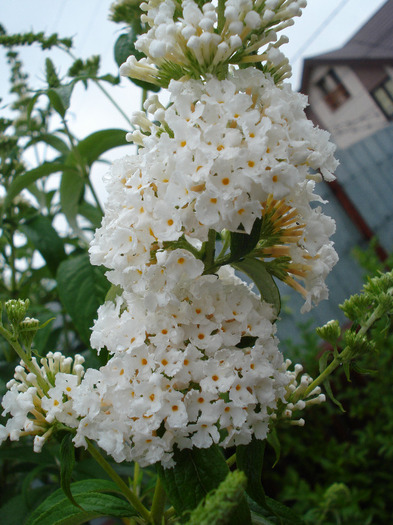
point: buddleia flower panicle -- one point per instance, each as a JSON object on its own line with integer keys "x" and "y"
{"x": 36, "y": 413}
{"x": 186, "y": 40}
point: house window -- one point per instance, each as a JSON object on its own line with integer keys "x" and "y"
{"x": 335, "y": 93}
{"x": 383, "y": 96}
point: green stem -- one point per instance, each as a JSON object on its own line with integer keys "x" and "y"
{"x": 25, "y": 358}
{"x": 232, "y": 460}
{"x": 209, "y": 251}
{"x": 144, "y": 97}
{"x": 128, "y": 493}
{"x": 116, "y": 105}
{"x": 377, "y": 314}
{"x": 158, "y": 505}
{"x": 220, "y": 15}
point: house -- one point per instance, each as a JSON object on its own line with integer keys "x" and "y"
{"x": 350, "y": 89}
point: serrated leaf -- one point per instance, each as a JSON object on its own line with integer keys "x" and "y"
{"x": 82, "y": 289}
{"x": 43, "y": 236}
{"x": 195, "y": 474}
{"x": 60, "y": 511}
{"x": 94, "y": 145}
{"x": 249, "y": 459}
{"x": 242, "y": 243}
{"x": 67, "y": 462}
{"x": 256, "y": 270}
{"x": 23, "y": 181}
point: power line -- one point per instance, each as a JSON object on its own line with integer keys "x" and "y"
{"x": 318, "y": 31}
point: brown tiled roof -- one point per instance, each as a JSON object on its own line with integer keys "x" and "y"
{"x": 373, "y": 41}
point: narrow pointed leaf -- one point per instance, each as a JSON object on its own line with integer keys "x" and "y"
{"x": 249, "y": 459}
{"x": 256, "y": 270}
{"x": 71, "y": 190}
{"x": 23, "y": 181}
{"x": 93, "y": 146}
{"x": 45, "y": 239}
{"x": 82, "y": 289}
{"x": 52, "y": 140}
{"x": 67, "y": 462}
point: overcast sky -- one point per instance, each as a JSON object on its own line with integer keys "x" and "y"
{"x": 325, "y": 25}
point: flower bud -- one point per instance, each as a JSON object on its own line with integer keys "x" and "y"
{"x": 330, "y": 332}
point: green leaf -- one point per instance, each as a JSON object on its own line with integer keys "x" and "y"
{"x": 242, "y": 243}
{"x": 90, "y": 495}
{"x": 249, "y": 459}
{"x": 275, "y": 513}
{"x": 322, "y": 366}
{"x": 67, "y": 462}
{"x": 287, "y": 515}
{"x": 52, "y": 140}
{"x": 91, "y": 213}
{"x": 23, "y": 181}
{"x": 60, "y": 98}
{"x": 274, "y": 442}
{"x": 71, "y": 191}
{"x": 82, "y": 289}
{"x": 94, "y": 145}
{"x": 43, "y": 236}
{"x": 195, "y": 474}
{"x": 256, "y": 270}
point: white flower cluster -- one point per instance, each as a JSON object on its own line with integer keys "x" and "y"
{"x": 194, "y": 366}
{"x": 35, "y": 412}
{"x": 225, "y": 153}
{"x": 185, "y": 38}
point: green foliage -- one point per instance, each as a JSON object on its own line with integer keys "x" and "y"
{"x": 196, "y": 473}
{"x": 353, "y": 449}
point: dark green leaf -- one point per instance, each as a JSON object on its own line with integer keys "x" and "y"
{"x": 96, "y": 486}
{"x": 274, "y": 442}
{"x": 287, "y": 515}
{"x": 249, "y": 459}
{"x": 71, "y": 191}
{"x": 242, "y": 243}
{"x": 93, "y": 146}
{"x": 52, "y": 140}
{"x": 256, "y": 270}
{"x": 43, "y": 236}
{"x": 67, "y": 461}
{"x": 14, "y": 511}
{"x": 91, "y": 213}
{"x": 95, "y": 505}
{"x": 82, "y": 289}
{"x": 23, "y": 181}
{"x": 196, "y": 473}
{"x": 60, "y": 98}
{"x": 124, "y": 47}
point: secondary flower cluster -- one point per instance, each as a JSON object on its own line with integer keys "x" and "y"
{"x": 187, "y": 39}
{"x": 37, "y": 412}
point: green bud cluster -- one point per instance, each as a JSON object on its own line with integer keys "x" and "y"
{"x": 330, "y": 332}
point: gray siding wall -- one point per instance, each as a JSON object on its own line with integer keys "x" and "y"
{"x": 366, "y": 174}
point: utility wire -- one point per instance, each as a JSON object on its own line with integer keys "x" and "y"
{"x": 317, "y": 32}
